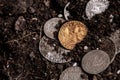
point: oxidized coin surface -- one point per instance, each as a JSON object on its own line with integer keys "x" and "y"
{"x": 95, "y": 61}
{"x": 51, "y": 50}
{"x": 94, "y": 7}
{"x": 115, "y": 37}
{"x": 108, "y": 46}
{"x": 73, "y": 73}
{"x": 71, "y": 33}
{"x": 51, "y": 26}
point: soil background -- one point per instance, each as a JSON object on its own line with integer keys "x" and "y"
{"x": 20, "y": 58}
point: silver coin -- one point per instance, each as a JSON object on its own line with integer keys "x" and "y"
{"x": 66, "y": 12}
{"x": 94, "y": 7}
{"x": 95, "y": 61}
{"x": 115, "y": 37}
{"x": 50, "y": 26}
{"x": 73, "y": 73}
{"x": 108, "y": 46}
{"x": 52, "y": 51}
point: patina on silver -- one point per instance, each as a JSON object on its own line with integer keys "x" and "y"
{"x": 94, "y": 7}
{"x": 66, "y": 12}
{"x": 51, "y": 50}
{"x": 115, "y": 37}
{"x": 108, "y": 46}
{"x": 95, "y": 61}
{"x": 50, "y": 26}
{"x": 73, "y": 73}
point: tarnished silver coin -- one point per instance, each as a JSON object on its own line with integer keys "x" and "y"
{"x": 51, "y": 26}
{"x": 95, "y": 61}
{"x": 52, "y": 51}
{"x": 66, "y": 12}
{"x": 94, "y": 7}
{"x": 108, "y": 46}
{"x": 115, "y": 37}
{"x": 73, "y": 73}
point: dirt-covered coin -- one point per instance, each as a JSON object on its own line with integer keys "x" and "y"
{"x": 51, "y": 50}
{"x": 51, "y": 26}
{"x": 94, "y": 7}
{"x": 73, "y": 73}
{"x": 108, "y": 46}
{"x": 95, "y": 61}
{"x": 115, "y": 37}
{"x": 71, "y": 33}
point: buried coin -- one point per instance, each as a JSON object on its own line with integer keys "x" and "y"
{"x": 51, "y": 26}
{"x": 71, "y": 33}
{"x": 73, "y": 73}
{"x": 115, "y": 37}
{"x": 108, "y": 46}
{"x": 52, "y": 51}
{"x": 94, "y": 7}
{"x": 95, "y": 61}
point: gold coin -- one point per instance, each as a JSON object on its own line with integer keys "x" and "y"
{"x": 71, "y": 33}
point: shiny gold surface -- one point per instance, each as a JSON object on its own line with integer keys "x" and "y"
{"x": 71, "y": 33}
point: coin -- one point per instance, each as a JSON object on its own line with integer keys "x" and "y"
{"x": 52, "y": 51}
{"x": 71, "y": 33}
{"x": 50, "y": 26}
{"x": 115, "y": 37}
{"x": 95, "y": 61}
{"x": 94, "y": 7}
{"x": 108, "y": 46}
{"x": 73, "y": 73}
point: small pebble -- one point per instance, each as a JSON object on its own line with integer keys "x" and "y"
{"x": 111, "y": 18}
{"x": 60, "y": 15}
{"x": 75, "y": 64}
{"x": 85, "y": 47}
{"x": 118, "y": 72}
{"x": 20, "y": 23}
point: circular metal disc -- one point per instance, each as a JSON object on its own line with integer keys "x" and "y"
{"x": 51, "y": 26}
{"x": 94, "y": 7}
{"x": 115, "y": 37}
{"x": 108, "y": 46}
{"x": 71, "y": 33}
{"x": 95, "y": 61}
{"x": 73, "y": 73}
{"x": 52, "y": 51}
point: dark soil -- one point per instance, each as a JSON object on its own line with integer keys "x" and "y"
{"x": 20, "y": 58}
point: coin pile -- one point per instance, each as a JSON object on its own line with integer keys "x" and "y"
{"x": 48, "y": 46}
{"x": 72, "y": 32}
